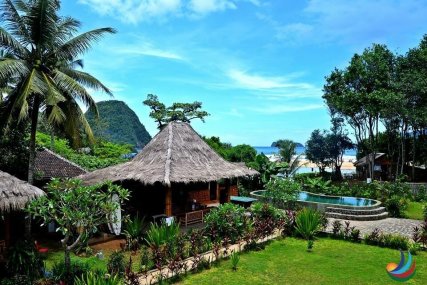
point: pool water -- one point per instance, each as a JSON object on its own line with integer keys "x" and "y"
{"x": 336, "y": 200}
{"x": 347, "y": 201}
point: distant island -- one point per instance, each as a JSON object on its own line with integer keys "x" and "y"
{"x": 118, "y": 123}
{"x": 274, "y": 144}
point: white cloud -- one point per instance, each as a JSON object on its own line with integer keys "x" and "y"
{"x": 202, "y": 7}
{"x": 135, "y": 11}
{"x": 280, "y": 109}
{"x": 258, "y": 82}
{"x": 148, "y": 50}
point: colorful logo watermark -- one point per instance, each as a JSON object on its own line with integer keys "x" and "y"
{"x": 402, "y": 271}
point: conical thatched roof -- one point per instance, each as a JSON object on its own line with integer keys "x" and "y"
{"x": 177, "y": 154}
{"x": 15, "y": 193}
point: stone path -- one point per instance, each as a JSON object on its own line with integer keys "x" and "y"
{"x": 389, "y": 225}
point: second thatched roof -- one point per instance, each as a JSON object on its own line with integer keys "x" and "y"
{"x": 15, "y": 193}
{"x": 51, "y": 165}
{"x": 177, "y": 154}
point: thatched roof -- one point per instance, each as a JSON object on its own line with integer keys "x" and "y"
{"x": 15, "y": 193}
{"x": 364, "y": 160}
{"x": 177, "y": 154}
{"x": 49, "y": 164}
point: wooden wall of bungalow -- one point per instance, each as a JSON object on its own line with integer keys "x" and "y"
{"x": 150, "y": 200}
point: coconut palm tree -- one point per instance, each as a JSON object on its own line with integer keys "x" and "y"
{"x": 44, "y": 47}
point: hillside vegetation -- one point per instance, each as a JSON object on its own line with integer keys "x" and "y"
{"x": 118, "y": 123}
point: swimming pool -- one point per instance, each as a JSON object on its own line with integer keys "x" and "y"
{"x": 338, "y": 201}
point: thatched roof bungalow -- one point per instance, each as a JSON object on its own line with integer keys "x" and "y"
{"x": 14, "y": 195}
{"x": 176, "y": 166}
{"x": 382, "y": 166}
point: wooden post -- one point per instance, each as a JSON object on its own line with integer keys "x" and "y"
{"x": 168, "y": 202}
{"x": 218, "y": 197}
{"x": 227, "y": 189}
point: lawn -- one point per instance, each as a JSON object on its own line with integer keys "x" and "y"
{"x": 331, "y": 262}
{"x": 414, "y": 211}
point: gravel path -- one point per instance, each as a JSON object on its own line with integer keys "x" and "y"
{"x": 389, "y": 225}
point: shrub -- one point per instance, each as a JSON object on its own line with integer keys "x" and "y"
{"x": 16, "y": 280}
{"x": 96, "y": 279}
{"x": 318, "y": 185}
{"x": 133, "y": 232}
{"x": 396, "y": 206}
{"x": 228, "y": 221}
{"x": 355, "y": 235}
{"x": 308, "y": 224}
{"x": 394, "y": 241}
{"x": 420, "y": 233}
{"x": 374, "y": 238}
{"x": 235, "y": 258}
{"x": 116, "y": 264}
{"x": 421, "y": 194}
{"x": 283, "y": 193}
{"x": 146, "y": 262}
{"x": 158, "y": 235}
{"x": 425, "y": 211}
{"x": 289, "y": 222}
{"x": 266, "y": 219}
{"x": 77, "y": 268}
{"x": 23, "y": 259}
{"x": 336, "y": 228}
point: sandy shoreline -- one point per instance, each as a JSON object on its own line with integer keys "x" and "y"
{"x": 347, "y": 162}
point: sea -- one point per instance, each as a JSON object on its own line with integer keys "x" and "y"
{"x": 269, "y": 150}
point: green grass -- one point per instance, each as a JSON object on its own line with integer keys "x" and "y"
{"x": 331, "y": 262}
{"x": 414, "y": 211}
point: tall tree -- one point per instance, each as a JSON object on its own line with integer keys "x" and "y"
{"x": 44, "y": 47}
{"x": 358, "y": 93}
{"x": 183, "y": 112}
{"x": 316, "y": 150}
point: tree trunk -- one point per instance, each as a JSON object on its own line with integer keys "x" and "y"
{"x": 338, "y": 174}
{"x": 34, "y": 120}
{"x": 67, "y": 263}
{"x": 32, "y": 158}
{"x": 413, "y": 155}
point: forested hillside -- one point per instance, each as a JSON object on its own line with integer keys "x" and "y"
{"x": 118, "y": 123}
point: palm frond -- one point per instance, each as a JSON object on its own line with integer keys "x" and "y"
{"x": 81, "y": 43}
{"x": 71, "y": 87}
{"x": 42, "y": 22}
{"x": 13, "y": 21}
{"x": 87, "y": 80}
{"x": 10, "y": 67}
{"x": 10, "y": 44}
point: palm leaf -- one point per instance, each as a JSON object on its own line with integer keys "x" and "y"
{"x": 13, "y": 20}
{"x": 12, "y": 67}
{"x": 70, "y": 86}
{"x": 87, "y": 80}
{"x": 80, "y": 44}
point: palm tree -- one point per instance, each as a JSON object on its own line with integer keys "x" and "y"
{"x": 44, "y": 47}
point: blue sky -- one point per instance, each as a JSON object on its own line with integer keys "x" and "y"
{"x": 257, "y": 66}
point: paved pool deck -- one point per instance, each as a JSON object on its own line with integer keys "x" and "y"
{"x": 389, "y": 225}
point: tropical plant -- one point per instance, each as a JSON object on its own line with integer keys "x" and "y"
{"x": 41, "y": 62}
{"x": 234, "y": 258}
{"x": 23, "y": 259}
{"x": 228, "y": 221}
{"x": 161, "y": 234}
{"x": 91, "y": 278}
{"x": 61, "y": 271}
{"x": 184, "y": 112}
{"x": 133, "y": 232}
{"x": 283, "y": 193}
{"x": 318, "y": 185}
{"x": 266, "y": 219}
{"x": 308, "y": 224}
{"x": 116, "y": 264}
{"x": 70, "y": 204}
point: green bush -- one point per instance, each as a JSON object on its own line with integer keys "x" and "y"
{"x": 421, "y": 195}
{"x": 228, "y": 221}
{"x": 266, "y": 218}
{"x": 77, "y": 268}
{"x": 235, "y": 258}
{"x": 425, "y": 211}
{"x": 116, "y": 264}
{"x": 394, "y": 241}
{"x": 23, "y": 259}
{"x": 92, "y": 278}
{"x": 158, "y": 235}
{"x": 16, "y": 280}
{"x": 396, "y": 206}
{"x": 133, "y": 231}
{"x": 308, "y": 224}
{"x": 283, "y": 193}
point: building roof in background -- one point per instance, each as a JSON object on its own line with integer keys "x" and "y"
{"x": 364, "y": 160}
{"x": 177, "y": 154}
{"x": 49, "y": 165}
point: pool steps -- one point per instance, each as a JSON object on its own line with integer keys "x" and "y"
{"x": 373, "y": 214}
